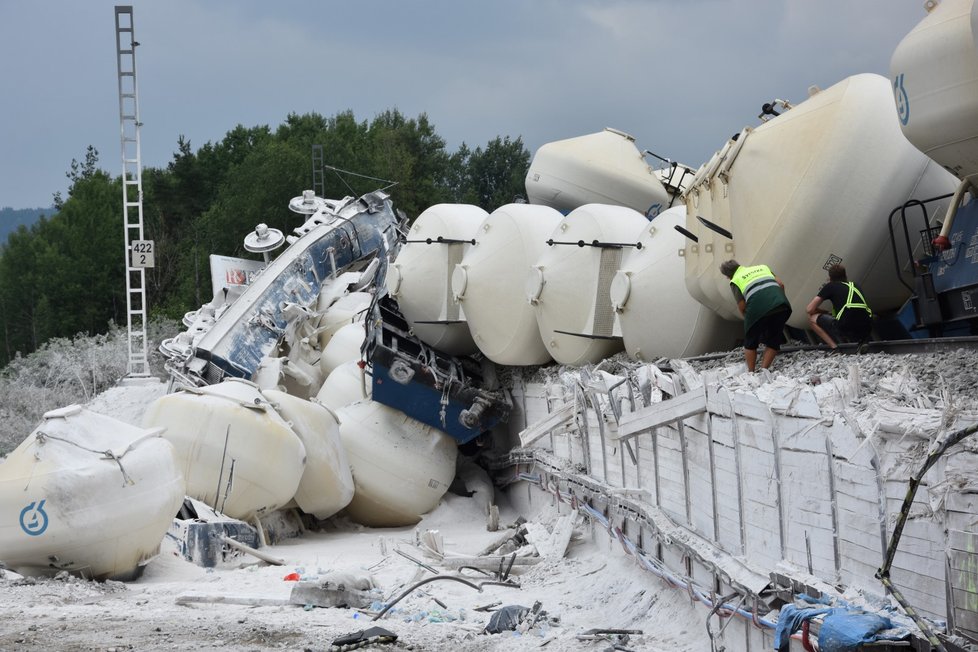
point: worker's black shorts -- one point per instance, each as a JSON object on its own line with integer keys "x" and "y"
{"x": 855, "y": 326}
{"x": 768, "y": 330}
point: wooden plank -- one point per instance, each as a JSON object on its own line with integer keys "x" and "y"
{"x": 919, "y": 584}
{"x": 747, "y": 406}
{"x": 256, "y": 601}
{"x": 963, "y": 541}
{"x": 697, "y": 425}
{"x": 857, "y": 554}
{"x": 918, "y": 546}
{"x": 963, "y": 562}
{"x": 756, "y": 435}
{"x": 717, "y": 400}
{"x": 664, "y": 382}
{"x": 551, "y": 544}
{"x": 964, "y": 599}
{"x": 966, "y": 621}
{"x": 966, "y": 503}
{"x": 660, "y": 414}
{"x": 853, "y": 572}
{"x": 555, "y": 419}
{"x": 491, "y": 562}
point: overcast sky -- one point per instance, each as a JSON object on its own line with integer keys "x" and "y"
{"x": 679, "y": 75}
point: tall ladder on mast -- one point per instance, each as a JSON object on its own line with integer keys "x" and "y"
{"x": 132, "y": 190}
{"x": 318, "y": 178}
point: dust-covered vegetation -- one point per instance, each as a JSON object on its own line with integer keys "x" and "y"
{"x": 64, "y": 371}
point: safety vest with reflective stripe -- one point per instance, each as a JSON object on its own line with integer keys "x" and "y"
{"x": 849, "y": 302}
{"x": 750, "y": 280}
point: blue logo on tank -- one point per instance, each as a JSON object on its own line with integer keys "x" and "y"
{"x": 902, "y": 101}
{"x": 33, "y": 519}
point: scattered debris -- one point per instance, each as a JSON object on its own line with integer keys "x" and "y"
{"x": 363, "y": 638}
{"x": 617, "y": 637}
{"x": 552, "y": 544}
{"x": 336, "y": 590}
{"x": 419, "y": 563}
{"x": 488, "y": 607}
{"x": 237, "y": 545}
{"x": 518, "y": 618}
{"x": 477, "y": 586}
{"x": 500, "y": 564}
{"x": 506, "y": 618}
{"x": 185, "y": 600}
{"x": 203, "y": 536}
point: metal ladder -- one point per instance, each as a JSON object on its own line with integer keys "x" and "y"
{"x": 132, "y": 183}
{"x": 318, "y": 178}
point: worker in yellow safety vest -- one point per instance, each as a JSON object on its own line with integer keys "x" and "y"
{"x": 761, "y": 300}
{"x": 851, "y": 316}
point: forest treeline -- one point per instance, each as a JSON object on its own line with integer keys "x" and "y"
{"x": 65, "y": 274}
{"x": 11, "y": 218}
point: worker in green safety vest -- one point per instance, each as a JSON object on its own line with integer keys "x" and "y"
{"x": 761, "y": 300}
{"x": 851, "y": 316}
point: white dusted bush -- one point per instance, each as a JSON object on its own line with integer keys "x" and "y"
{"x": 65, "y": 371}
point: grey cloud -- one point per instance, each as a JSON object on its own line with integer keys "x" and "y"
{"x": 680, "y": 76}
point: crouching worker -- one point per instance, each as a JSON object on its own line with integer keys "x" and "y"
{"x": 761, "y": 300}
{"x": 850, "y": 317}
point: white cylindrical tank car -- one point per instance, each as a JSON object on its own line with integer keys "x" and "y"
{"x": 603, "y": 168}
{"x": 347, "y": 309}
{"x": 568, "y": 284}
{"x": 401, "y": 467}
{"x": 490, "y": 279}
{"x": 420, "y": 278}
{"x": 657, "y": 316}
{"x": 701, "y": 282}
{"x": 67, "y": 505}
{"x": 348, "y": 383}
{"x": 808, "y": 188}
{"x": 344, "y": 346}
{"x": 934, "y": 72}
{"x": 326, "y": 485}
{"x": 235, "y": 451}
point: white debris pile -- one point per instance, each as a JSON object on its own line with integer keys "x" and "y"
{"x": 942, "y": 379}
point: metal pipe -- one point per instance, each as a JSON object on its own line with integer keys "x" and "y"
{"x": 416, "y": 585}
{"x": 274, "y": 561}
{"x": 836, "y": 549}
{"x": 967, "y": 184}
{"x": 713, "y": 479}
{"x": 685, "y": 455}
{"x": 655, "y": 466}
{"x": 775, "y": 439}
{"x": 740, "y": 479}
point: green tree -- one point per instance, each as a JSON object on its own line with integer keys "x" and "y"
{"x": 78, "y": 171}
{"x": 410, "y": 153}
{"x": 66, "y": 274}
{"x": 496, "y": 175}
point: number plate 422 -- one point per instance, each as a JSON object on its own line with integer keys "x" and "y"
{"x": 142, "y": 253}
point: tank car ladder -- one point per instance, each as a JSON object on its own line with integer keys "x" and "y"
{"x": 132, "y": 190}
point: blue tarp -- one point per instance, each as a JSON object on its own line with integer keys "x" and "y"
{"x": 843, "y": 629}
{"x": 790, "y": 621}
